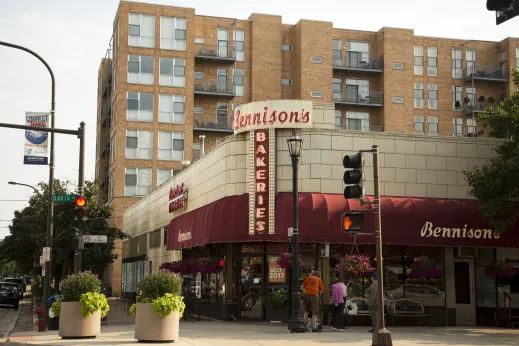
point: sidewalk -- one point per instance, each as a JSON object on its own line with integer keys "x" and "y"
{"x": 266, "y": 334}
{"x": 26, "y": 320}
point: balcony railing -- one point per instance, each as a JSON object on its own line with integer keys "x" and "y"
{"x": 105, "y": 115}
{"x": 486, "y": 73}
{"x": 216, "y": 123}
{"x": 476, "y": 107}
{"x": 214, "y": 88}
{"x": 352, "y": 63}
{"x": 107, "y": 82}
{"x": 220, "y": 52}
{"x": 354, "y": 97}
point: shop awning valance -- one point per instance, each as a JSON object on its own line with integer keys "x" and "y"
{"x": 405, "y": 221}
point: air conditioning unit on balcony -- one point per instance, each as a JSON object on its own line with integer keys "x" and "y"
{"x": 466, "y": 252}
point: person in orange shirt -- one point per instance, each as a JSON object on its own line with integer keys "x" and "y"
{"x": 313, "y": 287}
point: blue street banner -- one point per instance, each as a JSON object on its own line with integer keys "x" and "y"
{"x": 36, "y": 142}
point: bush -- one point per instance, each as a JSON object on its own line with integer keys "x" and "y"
{"x": 157, "y": 285}
{"x": 78, "y": 284}
{"x": 275, "y": 299}
{"x": 91, "y": 302}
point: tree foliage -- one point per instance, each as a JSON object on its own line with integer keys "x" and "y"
{"x": 496, "y": 184}
{"x": 29, "y": 228}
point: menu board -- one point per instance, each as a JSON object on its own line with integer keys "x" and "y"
{"x": 277, "y": 275}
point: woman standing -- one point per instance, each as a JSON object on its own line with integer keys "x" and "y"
{"x": 338, "y": 305}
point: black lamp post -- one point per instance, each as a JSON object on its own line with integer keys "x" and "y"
{"x": 295, "y": 324}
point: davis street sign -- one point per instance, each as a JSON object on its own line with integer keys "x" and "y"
{"x": 63, "y": 198}
{"x": 95, "y": 239}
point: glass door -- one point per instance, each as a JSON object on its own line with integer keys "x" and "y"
{"x": 252, "y": 286}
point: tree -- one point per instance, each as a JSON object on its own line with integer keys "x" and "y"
{"x": 29, "y": 228}
{"x": 496, "y": 184}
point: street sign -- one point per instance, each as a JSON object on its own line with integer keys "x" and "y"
{"x": 95, "y": 239}
{"x": 42, "y": 262}
{"x": 43, "y": 271}
{"x": 46, "y": 254}
{"x": 64, "y": 198}
{"x": 290, "y": 231}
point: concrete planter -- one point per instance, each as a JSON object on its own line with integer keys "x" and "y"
{"x": 73, "y": 325}
{"x": 151, "y": 327}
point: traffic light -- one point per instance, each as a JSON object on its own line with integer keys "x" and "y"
{"x": 352, "y": 222}
{"x": 354, "y": 176}
{"x": 80, "y": 207}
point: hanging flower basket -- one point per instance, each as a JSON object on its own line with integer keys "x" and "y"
{"x": 173, "y": 267}
{"x": 209, "y": 265}
{"x": 500, "y": 269}
{"x": 424, "y": 268}
{"x": 353, "y": 265}
{"x": 285, "y": 260}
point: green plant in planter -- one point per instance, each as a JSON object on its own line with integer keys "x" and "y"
{"x": 163, "y": 291}
{"x": 275, "y": 299}
{"x": 84, "y": 288}
{"x": 56, "y": 307}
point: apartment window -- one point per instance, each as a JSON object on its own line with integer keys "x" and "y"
{"x": 137, "y": 181}
{"x": 165, "y": 230}
{"x": 199, "y": 40}
{"x": 112, "y": 149}
{"x": 418, "y": 60}
{"x": 357, "y": 121}
{"x": 471, "y": 127}
{"x": 172, "y": 72}
{"x": 432, "y": 93}
{"x": 239, "y": 45}
{"x": 223, "y": 43}
{"x": 317, "y": 59}
{"x": 432, "y": 128}
{"x": 337, "y": 89}
{"x": 457, "y": 95}
{"x": 432, "y": 61}
{"x": 173, "y": 33}
{"x": 141, "y": 30}
{"x": 470, "y": 56}
{"x": 155, "y": 239}
{"x": 238, "y": 81}
{"x": 357, "y": 53}
{"x": 171, "y": 109}
{"x": 458, "y": 127}
{"x": 471, "y": 94}
{"x": 140, "y": 69}
{"x": 338, "y": 119}
{"x": 456, "y": 63}
{"x": 171, "y": 146}
{"x": 287, "y": 47}
{"x": 418, "y": 95}
{"x": 357, "y": 90}
{"x": 139, "y": 106}
{"x": 418, "y": 125}
{"x": 221, "y": 115}
{"x": 199, "y": 75}
{"x": 517, "y": 57}
{"x": 164, "y": 174}
{"x": 337, "y": 52}
{"x": 286, "y": 82}
{"x": 317, "y": 93}
{"x": 502, "y": 60}
{"x": 139, "y": 144}
{"x": 198, "y": 110}
{"x": 196, "y": 151}
{"x": 222, "y": 80}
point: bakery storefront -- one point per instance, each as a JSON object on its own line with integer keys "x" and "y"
{"x": 232, "y": 240}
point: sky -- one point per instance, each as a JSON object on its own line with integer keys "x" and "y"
{"x": 73, "y": 36}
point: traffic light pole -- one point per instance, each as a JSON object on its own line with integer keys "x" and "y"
{"x": 78, "y": 253}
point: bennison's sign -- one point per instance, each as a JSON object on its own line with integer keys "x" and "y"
{"x": 430, "y": 231}
{"x": 273, "y": 114}
{"x": 177, "y": 198}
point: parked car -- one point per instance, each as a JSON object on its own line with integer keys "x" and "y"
{"x": 9, "y": 295}
{"x": 413, "y": 291}
{"x": 15, "y": 288}
{"x": 21, "y": 283}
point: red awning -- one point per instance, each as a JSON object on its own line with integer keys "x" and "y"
{"x": 405, "y": 221}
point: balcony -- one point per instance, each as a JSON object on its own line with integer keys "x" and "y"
{"x": 105, "y": 115}
{"x": 374, "y": 65}
{"x": 486, "y": 73}
{"x": 356, "y": 98}
{"x": 476, "y": 107}
{"x": 214, "y": 88}
{"x": 105, "y": 144}
{"x": 217, "y": 52}
{"x": 107, "y": 82}
{"x": 212, "y": 123}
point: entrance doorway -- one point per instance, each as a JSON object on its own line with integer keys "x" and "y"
{"x": 465, "y": 293}
{"x": 252, "y": 287}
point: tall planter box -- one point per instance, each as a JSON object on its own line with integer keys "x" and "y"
{"x": 151, "y": 327}
{"x": 277, "y": 314}
{"x": 73, "y": 325}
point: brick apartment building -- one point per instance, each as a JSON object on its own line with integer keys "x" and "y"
{"x": 171, "y": 76}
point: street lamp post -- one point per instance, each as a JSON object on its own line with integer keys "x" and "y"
{"x": 26, "y": 185}
{"x": 50, "y": 204}
{"x": 295, "y": 324}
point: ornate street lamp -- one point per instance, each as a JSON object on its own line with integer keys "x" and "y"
{"x": 295, "y": 324}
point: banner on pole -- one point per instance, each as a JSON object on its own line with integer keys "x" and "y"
{"x": 36, "y": 142}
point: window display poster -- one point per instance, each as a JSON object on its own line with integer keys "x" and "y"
{"x": 277, "y": 275}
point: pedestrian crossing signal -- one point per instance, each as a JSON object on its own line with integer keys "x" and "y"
{"x": 352, "y": 222}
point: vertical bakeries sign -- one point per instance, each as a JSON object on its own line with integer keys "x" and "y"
{"x": 261, "y": 177}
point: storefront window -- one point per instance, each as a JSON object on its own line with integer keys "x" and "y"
{"x": 252, "y": 248}
{"x": 252, "y": 286}
{"x": 134, "y": 270}
{"x": 485, "y": 286}
{"x": 424, "y": 274}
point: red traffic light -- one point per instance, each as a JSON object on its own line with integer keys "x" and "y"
{"x": 80, "y": 201}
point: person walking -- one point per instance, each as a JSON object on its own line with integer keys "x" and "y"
{"x": 338, "y": 305}
{"x": 372, "y": 295}
{"x": 313, "y": 287}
